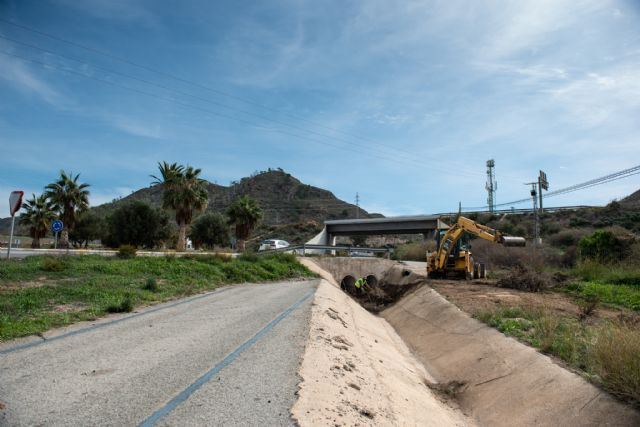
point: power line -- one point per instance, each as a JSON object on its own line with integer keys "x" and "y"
{"x": 170, "y": 89}
{"x": 391, "y": 150}
{"x": 175, "y": 101}
{"x": 625, "y": 173}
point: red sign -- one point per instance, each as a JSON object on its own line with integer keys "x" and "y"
{"x": 15, "y": 201}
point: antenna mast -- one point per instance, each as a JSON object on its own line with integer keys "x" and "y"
{"x": 492, "y": 185}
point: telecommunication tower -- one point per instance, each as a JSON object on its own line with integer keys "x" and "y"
{"x": 492, "y": 185}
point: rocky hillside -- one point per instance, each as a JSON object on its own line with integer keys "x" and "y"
{"x": 631, "y": 200}
{"x": 283, "y": 198}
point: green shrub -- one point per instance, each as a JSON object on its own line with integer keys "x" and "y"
{"x": 127, "y": 251}
{"x": 124, "y": 306}
{"x": 249, "y": 256}
{"x": 137, "y": 223}
{"x": 151, "y": 285}
{"x": 53, "y": 265}
{"x": 210, "y": 229}
{"x": 602, "y": 246}
{"x": 414, "y": 251}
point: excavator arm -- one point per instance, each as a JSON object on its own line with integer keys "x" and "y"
{"x": 449, "y": 241}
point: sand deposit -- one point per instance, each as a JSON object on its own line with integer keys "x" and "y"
{"x": 356, "y": 370}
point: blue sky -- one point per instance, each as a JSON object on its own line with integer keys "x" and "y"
{"x": 400, "y": 101}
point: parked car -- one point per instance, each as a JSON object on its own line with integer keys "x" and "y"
{"x": 267, "y": 245}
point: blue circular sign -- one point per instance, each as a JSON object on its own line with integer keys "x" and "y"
{"x": 57, "y": 226}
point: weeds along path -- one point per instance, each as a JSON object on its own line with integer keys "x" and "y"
{"x": 499, "y": 381}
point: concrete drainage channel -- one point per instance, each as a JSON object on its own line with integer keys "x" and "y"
{"x": 386, "y": 281}
{"x": 498, "y": 380}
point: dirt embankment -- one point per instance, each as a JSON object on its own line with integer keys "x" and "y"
{"x": 357, "y": 371}
{"x": 499, "y": 381}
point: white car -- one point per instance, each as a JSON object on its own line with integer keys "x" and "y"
{"x": 267, "y": 245}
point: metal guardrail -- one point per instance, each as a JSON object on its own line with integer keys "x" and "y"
{"x": 304, "y": 248}
{"x": 519, "y": 211}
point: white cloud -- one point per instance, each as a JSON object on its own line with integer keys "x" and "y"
{"x": 16, "y": 72}
{"x": 137, "y": 128}
{"x": 598, "y": 97}
{"x": 118, "y": 10}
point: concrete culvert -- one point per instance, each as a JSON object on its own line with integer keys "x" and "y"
{"x": 348, "y": 283}
{"x": 372, "y": 281}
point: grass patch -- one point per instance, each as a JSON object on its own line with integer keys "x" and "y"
{"x": 619, "y": 295}
{"x": 124, "y": 306}
{"x": 151, "y": 285}
{"x": 613, "y": 284}
{"x": 30, "y": 291}
{"x": 614, "y": 274}
{"x": 607, "y": 352}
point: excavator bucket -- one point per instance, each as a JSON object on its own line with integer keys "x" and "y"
{"x": 513, "y": 241}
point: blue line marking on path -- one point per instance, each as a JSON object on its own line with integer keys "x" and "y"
{"x": 184, "y": 394}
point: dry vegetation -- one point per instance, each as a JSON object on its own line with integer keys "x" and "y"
{"x": 577, "y": 298}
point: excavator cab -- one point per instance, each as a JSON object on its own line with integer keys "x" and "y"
{"x": 453, "y": 258}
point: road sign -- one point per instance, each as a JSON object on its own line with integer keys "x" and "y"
{"x": 544, "y": 184}
{"x": 15, "y": 201}
{"x": 57, "y": 226}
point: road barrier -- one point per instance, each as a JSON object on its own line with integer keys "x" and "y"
{"x": 310, "y": 249}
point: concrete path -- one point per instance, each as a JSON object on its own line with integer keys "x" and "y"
{"x": 226, "y": 358}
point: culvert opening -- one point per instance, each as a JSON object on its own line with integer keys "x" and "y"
{"x": 348, "y": 284}
{"x": 380, "y": 291}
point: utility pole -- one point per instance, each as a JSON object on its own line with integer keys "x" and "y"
{"x": 357, "y": 206}
{"x": 534, "y": 197}
{"x": 491, "y": 186}
{"x": 543, "y": 184}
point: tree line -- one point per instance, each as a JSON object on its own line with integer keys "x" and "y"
{"x": 184, "y": 194}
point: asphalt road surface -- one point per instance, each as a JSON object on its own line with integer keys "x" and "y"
{"x": 229, "y": 357}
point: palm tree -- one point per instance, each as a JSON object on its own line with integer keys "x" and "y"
{"x": 38, "y": 215}
{"x": 71, "y": 198}
{"x": 245, "y": 214}
{"x": 184, "y": 192}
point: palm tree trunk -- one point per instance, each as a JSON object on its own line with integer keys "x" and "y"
{"x": 64, "y": 238}
{"x": 182, "y": 237}
{"x": 35, "y": 243}
{"x": 241, "y": 245}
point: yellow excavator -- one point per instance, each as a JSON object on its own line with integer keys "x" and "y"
{"x": 453, "y": 259}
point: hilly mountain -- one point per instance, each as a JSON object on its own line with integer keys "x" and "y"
{"x": 632, "y": 200}
{"x": 283, "y": 198}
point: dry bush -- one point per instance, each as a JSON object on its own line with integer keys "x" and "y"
{"x": 415, "y": 251}
{"x": 498, "y": 256}
{"x": 527, "y": 279}
{"x": 566, "y": 238}
{"x": 615, "y": 358}
{"x": 504, "y": 257}
{"x": 634, "y": 254}
{"x": 587, "y": 305}
{"x": 547, "y": 326}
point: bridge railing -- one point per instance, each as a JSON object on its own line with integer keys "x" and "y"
{"x": 310, "y": 249}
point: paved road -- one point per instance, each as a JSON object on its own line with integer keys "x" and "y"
{"x": 225, "y": 358}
